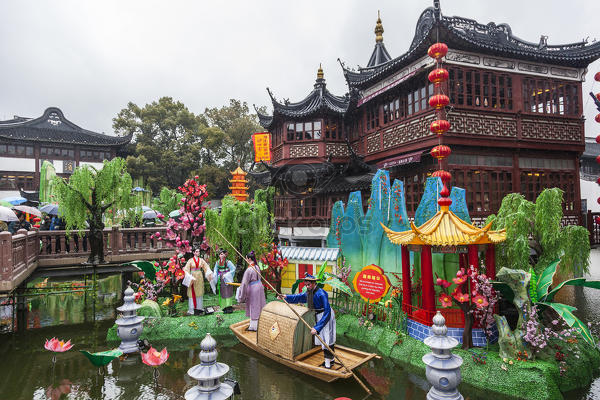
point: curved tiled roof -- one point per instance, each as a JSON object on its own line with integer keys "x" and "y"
{"x": 467, "y": 34}
{"x": 445, "y": 229}
{"x": 53, "y": 127}
{"x": 318, "y": 100}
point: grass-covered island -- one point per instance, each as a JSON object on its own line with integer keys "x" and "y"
{"x": 510, "y": 379}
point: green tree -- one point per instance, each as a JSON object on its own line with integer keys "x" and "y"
{"x": 167, "y": 141}
{"x": 167, "y": 201}
{"x": 535, "y": 237}
{"x": 237, "y": 126}
{"x": 88, "y": 194}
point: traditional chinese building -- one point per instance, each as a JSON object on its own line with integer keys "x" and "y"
{"x": 516, "y": 124}
{"x": 26, "y": 142}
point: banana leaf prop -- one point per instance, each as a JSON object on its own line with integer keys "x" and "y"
{"x": 545, "y": 279}
{"x": 102, "y": 358}
{"x": 146, "y": 267}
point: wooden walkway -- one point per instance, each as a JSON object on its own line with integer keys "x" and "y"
{"x": 24, "y": 253}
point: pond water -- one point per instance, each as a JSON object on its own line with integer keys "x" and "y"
{"x": 27, "y": 371}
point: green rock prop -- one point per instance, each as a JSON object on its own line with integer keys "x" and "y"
{"x": 149, "y": 308}
{"x": 511, "y": 342}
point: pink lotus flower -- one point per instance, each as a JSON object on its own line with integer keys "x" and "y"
{"x": 480, "y": 301}
{"x": 153, "y": 358}
{"x": 445, "y": 300}
{"x": 461, "y": 297}
{"x": 57, "y": 345}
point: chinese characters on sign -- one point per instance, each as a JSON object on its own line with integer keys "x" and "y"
{"x": 371, "y": 283}
{"x": 262, "y": 146}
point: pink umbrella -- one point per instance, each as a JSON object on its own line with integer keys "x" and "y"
{"x": 29, "y": 210}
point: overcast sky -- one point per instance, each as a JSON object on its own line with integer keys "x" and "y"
{"x": 90, "y": 58}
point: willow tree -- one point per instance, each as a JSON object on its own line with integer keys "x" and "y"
{"x": 87, "y": 195}
{"x": 247, "y": 226}
{"x": 535, "y": 237}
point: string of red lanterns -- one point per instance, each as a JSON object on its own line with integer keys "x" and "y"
{"x": 597, "y": 78}
{"x": 441, "y": 125}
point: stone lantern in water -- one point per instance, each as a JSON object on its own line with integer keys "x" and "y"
{"x": 443, "y": 367}
{"x": 208, "y": 374}
{"x": 129, "y": 325}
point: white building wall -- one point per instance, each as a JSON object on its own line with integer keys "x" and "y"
{"x": 97, "y": 165}
{"x": 17, "y": 164}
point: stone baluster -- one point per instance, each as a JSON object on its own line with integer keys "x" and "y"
{"x": 443, "y": 367}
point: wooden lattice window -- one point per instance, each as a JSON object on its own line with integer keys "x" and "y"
{"x": 485, "y": 189}
{"x": 477, "y": 88}
{"x": 547, "y": 96}
{"x": 417, "y": 99}
{"x": 372, "y": 117}
{"x": 332, "y": 129}
{"x": 534, "y": 181}
{"x": 393, "y": 109}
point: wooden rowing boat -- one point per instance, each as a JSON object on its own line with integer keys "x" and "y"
{"x": 309, "y": 361}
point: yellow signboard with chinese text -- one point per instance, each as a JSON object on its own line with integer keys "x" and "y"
{"x": 262, "y": 146}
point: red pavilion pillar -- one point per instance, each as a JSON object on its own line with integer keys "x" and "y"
{"x": 406, "y": 284}
{"x": 462, "y": 261}
{"x": 427, "y": 278}
{"x": 473, "y": 256}
{"x": 490, "y": 261}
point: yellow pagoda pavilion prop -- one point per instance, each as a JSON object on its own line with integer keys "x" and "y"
{"x": 444, "y": 229}
{"x": 238, "y": 184}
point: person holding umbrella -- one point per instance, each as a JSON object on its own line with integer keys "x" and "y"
{"x": 6, "y": 216}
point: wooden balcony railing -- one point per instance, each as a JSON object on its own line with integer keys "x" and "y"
{"x": 22, "y": 253}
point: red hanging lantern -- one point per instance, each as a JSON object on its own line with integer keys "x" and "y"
{"x": 445, "y": 176}
{"x": 440, "y": 126}
{"x": 598, "y": 118}
{"x": 437, "y": 50}
{"x": 438, "y": 75}
{"x": 440, "y": 152}
{"x": 598, "y": 200}
{"x": 597, "y": 220}
{"x": 598, "y": 139}
{"x": 598, "y": 96}
{"x": 439, "y": 100}
{"x": 598, "y": 159}
{"x": 597, "y": 76}
{"x": 598, "y": 181}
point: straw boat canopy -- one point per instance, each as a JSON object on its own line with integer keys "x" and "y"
{"x": 446, "y": 229}
{"x": 282, "y": 333}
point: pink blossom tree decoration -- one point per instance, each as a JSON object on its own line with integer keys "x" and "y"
{"x": 474, "y": 295}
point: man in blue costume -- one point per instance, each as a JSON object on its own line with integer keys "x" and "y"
{"x": 317, "y": 300}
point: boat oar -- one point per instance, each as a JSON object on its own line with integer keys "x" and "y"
{"x": 299, "y": 317}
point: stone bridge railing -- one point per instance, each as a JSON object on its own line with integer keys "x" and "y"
{"x": 22, "y": 253}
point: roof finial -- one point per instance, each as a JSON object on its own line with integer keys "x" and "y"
{"x": 378, "y": 29}
{"x": 437, "y": 9}
{"x": 320, "y": 72}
